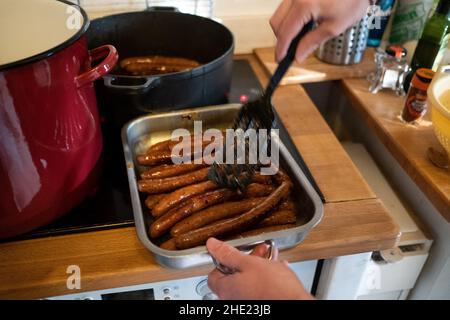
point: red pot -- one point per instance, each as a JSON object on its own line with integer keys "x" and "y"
{"x": 50, "y": 137}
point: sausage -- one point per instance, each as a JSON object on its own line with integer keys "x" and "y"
{"x": 174, "y": 198}
{"x": 254, "y": 232}
{"x": 165, "y": 156}
{"x": 180, "y": 195}
{"x": 204, "y": 142}
{"x": 154, "y": 64}
{"x": 153, "y": 199}
{"x": 259, "y": 178}
{"x": 154, "y": 158}
{"x": 287, "y": 205}
{"x": 169, "y": 144}
{"x": 154, "y": 172}
{"x": 164, "y": 223}
{"x": 170, "y": 170}
{"x": 254, "y": 190}
{"x": 165, "y": 145}
{"x": 160, "y": 146}
{"x": 168, "y": 245}
{"x": 212, "y": 214}
{"x": 281, "y": 176}
{"x": 172, "y": 183}
{"x": 236, "y": 224}
{"x": 278, "y": 217}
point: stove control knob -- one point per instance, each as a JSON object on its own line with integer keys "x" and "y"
{"x": 202, "y": 287}
{"x": 204, "y": 291}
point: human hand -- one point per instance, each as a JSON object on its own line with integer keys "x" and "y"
{"x": 332, "y": 17}
{"x": 256, "y": 278}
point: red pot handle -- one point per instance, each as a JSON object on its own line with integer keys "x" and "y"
{"x": 109, "y": 55}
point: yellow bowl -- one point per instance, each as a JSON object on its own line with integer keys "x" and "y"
{"x": 440, "y": 113}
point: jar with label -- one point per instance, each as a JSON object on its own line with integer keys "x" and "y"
{"x": 416, "y": 100}
{"x": 408, "y": 21}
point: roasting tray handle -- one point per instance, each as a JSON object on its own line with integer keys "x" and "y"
{"x": 246, "y": 248}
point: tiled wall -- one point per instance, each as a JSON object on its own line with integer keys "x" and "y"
{"x": 247, "y": 19}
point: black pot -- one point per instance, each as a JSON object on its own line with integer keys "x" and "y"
{"x": 163, "y": 33}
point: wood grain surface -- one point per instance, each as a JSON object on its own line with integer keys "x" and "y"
{"x": 407, "y": 143}
{"x": 37, "y": 268}
{"x": 354, "y": 221}
{"x": 314, "y": 70}
{"x": 336, "y": 175}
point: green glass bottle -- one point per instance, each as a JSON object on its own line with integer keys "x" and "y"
{"x": 433, "y": 42}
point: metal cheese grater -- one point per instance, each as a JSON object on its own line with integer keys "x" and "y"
{"x": 348, "y": 47}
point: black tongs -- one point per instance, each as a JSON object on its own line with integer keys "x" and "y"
{"x": 257, "y": 114}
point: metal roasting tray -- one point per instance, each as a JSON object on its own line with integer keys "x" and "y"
{"x": 139, "y": 134}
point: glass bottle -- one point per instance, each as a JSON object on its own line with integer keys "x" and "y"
{"x": 433, "y": 42}
{"x": 409, "y": 20}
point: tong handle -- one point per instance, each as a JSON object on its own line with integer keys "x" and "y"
{"x": 284, "y": 64}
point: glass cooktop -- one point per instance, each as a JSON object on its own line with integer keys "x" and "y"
{"x": 110, "y": 205}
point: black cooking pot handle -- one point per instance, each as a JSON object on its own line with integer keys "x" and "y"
{"x": 162, "y": 8}
{"x": 149, "y": 83}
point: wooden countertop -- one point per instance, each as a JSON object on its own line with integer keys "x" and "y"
{"x": 354, "y": 221}
{"x": 408, "y": 144}
{"x": 314, "y": 70}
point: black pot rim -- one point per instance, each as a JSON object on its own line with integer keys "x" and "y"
{"x": 201, "y": 69}
{"x": 50, "y": 52}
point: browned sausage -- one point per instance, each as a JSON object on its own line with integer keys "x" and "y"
{"x": 153, "y": 199}
{"x": 170, "y": 170}
{"x": 254, "y": 232}
{"x": 254, "y": 190}
{"x": 168, "y": 245}
{"x": 236, "y": 224}
{"x": 259, "y": 178}
{"x": 287, "y": 205}
{"x": 278, "y": 217}
{"x": 154, "y": 158}
{"x": 180, "y": 195}
{"x": 281, "y": 176}
{"x": 164, "y": 223}
{"x": 172, "y": 183}
{"x": 176, "y": 197}
{"x": 154, "y": 172}
{"x": 154, "y": 64}
{"x": 204, "y": 142}
{"x": 166, "y": 145}
{"x": 160, "y": 146}
{"x": 165, "y": 156}
{"x": 212, "y": 214}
